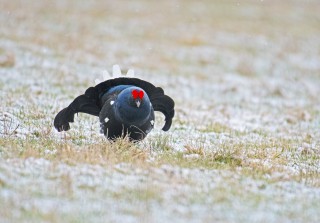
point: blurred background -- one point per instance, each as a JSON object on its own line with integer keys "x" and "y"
{"x": 201, "y": 38}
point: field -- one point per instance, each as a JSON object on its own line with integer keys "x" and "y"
{"x": 245, "y": 142}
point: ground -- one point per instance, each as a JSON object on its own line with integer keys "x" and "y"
{"x": 245, "y": 142}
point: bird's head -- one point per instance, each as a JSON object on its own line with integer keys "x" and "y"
{"x": 132, "y": 105}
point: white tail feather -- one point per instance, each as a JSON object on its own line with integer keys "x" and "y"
{"x": 116, "y": 72}
{"x": 130, "y": 73}
{"x": 97, "y": 81}
{"x": 105, "y": 75}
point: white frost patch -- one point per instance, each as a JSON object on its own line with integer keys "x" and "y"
{"x": 8, "y": 123}
{"x": 74, "y": 189}
{"x": 191, "y": 156}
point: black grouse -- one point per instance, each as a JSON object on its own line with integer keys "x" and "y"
{"x": 125, "y": 107}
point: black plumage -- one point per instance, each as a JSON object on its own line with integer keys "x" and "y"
{"x": 125, "y": 107}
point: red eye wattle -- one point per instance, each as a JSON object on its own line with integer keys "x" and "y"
{"x": 141, "y": 94}
{"x": 137, "y": 94}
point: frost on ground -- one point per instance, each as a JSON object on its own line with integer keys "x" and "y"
{"x": 245, "y": 142}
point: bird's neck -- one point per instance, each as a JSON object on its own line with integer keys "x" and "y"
{"x": 128, "y": 114}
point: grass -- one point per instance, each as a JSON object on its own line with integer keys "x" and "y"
{"x": 256, "y": 160}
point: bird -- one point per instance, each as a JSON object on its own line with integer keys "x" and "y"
{"x": 125, "y": 107}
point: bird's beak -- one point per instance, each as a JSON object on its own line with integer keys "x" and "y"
{"x": 138, "y": 103}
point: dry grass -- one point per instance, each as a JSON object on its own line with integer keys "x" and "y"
{"x": 257, "y": 160}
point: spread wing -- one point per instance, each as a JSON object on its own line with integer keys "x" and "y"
{"x": 90, "y": 102}
{"x": 86, "y": 103}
